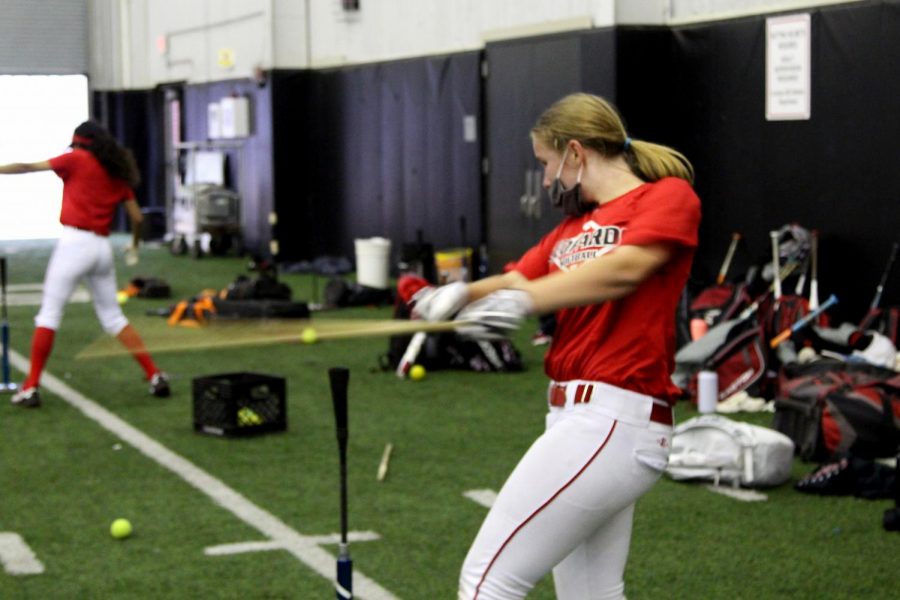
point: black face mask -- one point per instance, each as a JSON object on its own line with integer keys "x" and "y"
{"x": 569, "y": 199}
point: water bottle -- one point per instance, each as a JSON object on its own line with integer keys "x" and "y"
{"x": 707, "y": 391}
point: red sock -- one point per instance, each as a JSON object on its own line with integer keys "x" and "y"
{"x": 131, "y": 340}
{"x": 41, "y": 345}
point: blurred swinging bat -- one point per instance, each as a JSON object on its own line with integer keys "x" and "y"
{"x": 221, "y": 333}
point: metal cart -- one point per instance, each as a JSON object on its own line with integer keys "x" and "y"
{"x": 206, "y": 218}
{"x": 206, "y": 215}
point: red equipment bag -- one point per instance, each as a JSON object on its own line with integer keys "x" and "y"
{"x": 831, "y": 408}
{"x": 720, "y": 303}
{"x": 741, "y": 363}
{"x": 885, "y": 321}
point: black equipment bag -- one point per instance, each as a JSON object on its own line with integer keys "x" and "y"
{"x": 342, "y": 293}
{"x": 450, "y": 351}
{"x": 264, "y": 287}
{"x": 260, "y": 309}
{"x": 831, "y": 407}
{"x": 151, "y": 287}
{"x": 891, "y": 521}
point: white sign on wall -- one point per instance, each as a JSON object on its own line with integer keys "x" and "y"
{"x": 788, "y": 67}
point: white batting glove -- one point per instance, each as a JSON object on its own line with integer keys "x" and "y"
{"x": 131, "y": 256}
{"x": 496, "y": 315}
{"x": 439, "y": 304}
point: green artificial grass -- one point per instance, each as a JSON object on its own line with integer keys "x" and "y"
{"x": 63, "y": 478}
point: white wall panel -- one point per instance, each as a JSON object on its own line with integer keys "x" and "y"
{"x": 43, "y": 37}
{"x": 186, "y": 39}
{"x": 659, "y": 12}
{"x": 141, "y": 43}
{"x": 391, "y": 29}
{"x": 290, "y": 33}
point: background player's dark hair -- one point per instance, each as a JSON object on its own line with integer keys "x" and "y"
{"x": 117, "y": 160}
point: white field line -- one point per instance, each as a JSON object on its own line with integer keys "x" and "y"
{"x": 304, "y": 548}
{"x": 486, "y": 498}
{"x": 17, "y": 557}
{"x": 334, "y": 538}
{"x": 29, "y": 294}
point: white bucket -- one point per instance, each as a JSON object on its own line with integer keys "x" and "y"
{"x": 373, "y": 259}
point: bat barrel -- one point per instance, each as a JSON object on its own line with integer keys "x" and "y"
{"x": 729, "y": 256}
{"x": 4, "y": 328}
{"x": 339, "y": 378}
{"x": 776, "y": 266}
{"x": 4, "y": 333}
{"x": 3, "y": 287}
{"x": 884, "y": 277}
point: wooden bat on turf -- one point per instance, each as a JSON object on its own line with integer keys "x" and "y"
{"x": 729, "y": 256}
{"x": 803, "y": 322}
{"x": 385, "y": 461}
{"x": 339, "y": 378}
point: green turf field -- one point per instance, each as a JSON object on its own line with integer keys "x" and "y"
{"x": 64, "y": 478}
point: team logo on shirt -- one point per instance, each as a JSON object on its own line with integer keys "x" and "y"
{"x": 596, "y": 240}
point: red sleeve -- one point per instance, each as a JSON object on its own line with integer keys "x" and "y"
{"x": 670, "y": 212}
{"x": 62, "y": 164}
{"x": 536, "y": 260}
{"x": 127, "y": 191}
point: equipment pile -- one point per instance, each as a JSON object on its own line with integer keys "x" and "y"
{"x": 835, "y": 391}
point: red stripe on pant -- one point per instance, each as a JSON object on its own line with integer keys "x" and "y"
{"x": 543, "y": 506}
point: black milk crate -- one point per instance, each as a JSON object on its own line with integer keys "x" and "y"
{"x": 239, "y": 404}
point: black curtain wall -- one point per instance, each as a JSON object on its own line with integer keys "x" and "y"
{"x": 392, "y": 157}
{"x": 134, "y": 118}
{"x": 701, "y": 88}
{"x": 249, "y": 164}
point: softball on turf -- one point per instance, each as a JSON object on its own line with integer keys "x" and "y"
{"x": 308, "y": 336}
{"x": 120, "y": 529}
{"x": 121, "y": 297}
{"x": 417, "y": 373}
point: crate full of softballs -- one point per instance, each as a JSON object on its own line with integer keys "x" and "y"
{"x": 239, "y": 404}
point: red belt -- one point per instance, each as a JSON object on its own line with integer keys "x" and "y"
{"x": 584, "y": 391}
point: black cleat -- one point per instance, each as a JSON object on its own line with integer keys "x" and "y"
{"x": 159, "y": 385}
{"x": 27, "y": 398}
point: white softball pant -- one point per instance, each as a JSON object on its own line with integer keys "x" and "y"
{"x": 81, "y": 256}
{"x": 568, "y": 504}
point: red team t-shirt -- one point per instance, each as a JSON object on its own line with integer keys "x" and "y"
{"x": 630, "y": 342}
{"x": 90, "y": 195}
